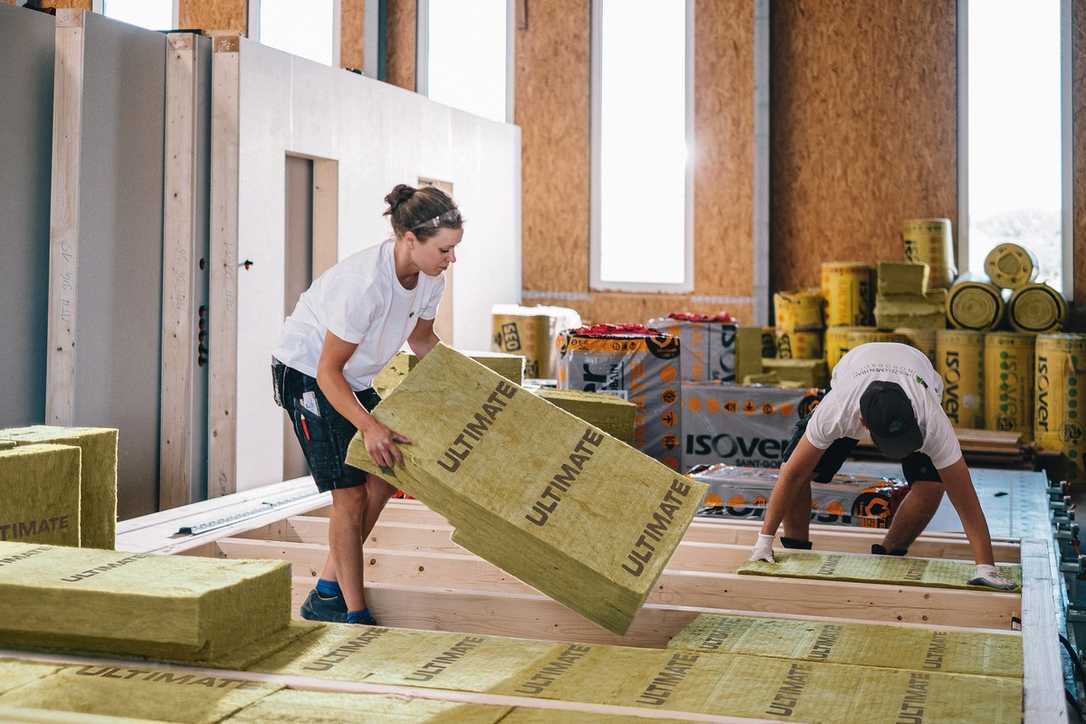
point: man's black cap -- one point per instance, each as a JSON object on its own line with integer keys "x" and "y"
{"x": 890, "y": 419}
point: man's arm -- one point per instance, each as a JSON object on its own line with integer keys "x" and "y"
{"x": 794, "y": 473}
{"x": 963, "y": 496}
{"x": 422, "y": 338}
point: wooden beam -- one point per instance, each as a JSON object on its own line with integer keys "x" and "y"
{"x": 179, "y": 240}
{"x": 678, "y": 587}
{"x": 325, "y": 215}
{"x": 223, "y": 342}
{"x": 840, "y": 539}
{"x": 64, "y": 220}
{"x": 1042, "y": 662}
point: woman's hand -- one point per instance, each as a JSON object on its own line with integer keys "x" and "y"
{"x": 381, "y": 443}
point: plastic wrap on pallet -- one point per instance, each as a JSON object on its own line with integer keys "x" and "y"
{"x": 866, "y": 501}
{"x": 708, "y": 344}
{"x": 639, "y": 364}
{"x": 740, "y": 424}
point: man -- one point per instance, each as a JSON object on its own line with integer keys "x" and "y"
{"x": 892, "y": 392}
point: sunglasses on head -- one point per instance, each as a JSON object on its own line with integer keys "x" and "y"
{"x": 452, "y": 217}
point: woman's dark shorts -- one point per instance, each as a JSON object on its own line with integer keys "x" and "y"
{"x": 323, "y": 433}
{"x": 916, "y": 467}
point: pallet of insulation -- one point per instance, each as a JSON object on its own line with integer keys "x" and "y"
{"x": 39, "y": 494}
{"x": 98, "y": 475}
{"x": 170, "y": 607}
{"x": 552, "y": 500}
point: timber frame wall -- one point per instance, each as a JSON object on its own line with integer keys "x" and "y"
{"x": 417, "y": 578}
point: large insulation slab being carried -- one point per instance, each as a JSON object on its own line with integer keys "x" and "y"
{"x": 39, "y": 494}
{"x": 536, "y": 487}
{"x": 145, "y": 693}
{"x": 866, "y": 644}
{"x": 98, "y": 477}
{"x": 876, "y": 569}
{"x": 509, "y": 366}
{"x": 611, "y": 414}
{"x": 171, "y": 607}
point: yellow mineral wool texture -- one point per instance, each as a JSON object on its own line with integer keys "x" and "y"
{"x": 909, "y": 310}
{"x": 805, "y": 372}
{"x": 430, "y": 659}
{"x": 611, "y": 414}
{"x": 836, "y": 344}
{"x": 14, "y": 674}
{"x": 525, "y": 715}
{"x": 922, "y": 339}
{"x": 849, "y": 290}
{"x": 6, "y": 444}
{"x": 866, "y": 335}
{"x": 509, "y": 366}
{"x": 39, "y": 494}
{"x": 172, "y": 607}
{"x": 931, "y": 242}
{"x": 768, "y": 688}
{"x": 799, "y": 345}
{"x": 1037, "y": 308}
{"x": 799, "y": 311}
{"x": 540, "y": 482}
{"x": 140, "y": 692}
{"x": 959, "y": 359}
{"x": 261, "y": 648}
{"x": 1060, "y": 386}
{"x": 325, "y": 707}
{"x": 876, "y": 569}
{"x": 26, "y": 715}
{"x": 974, "y": 305}
{"x": 98, "y": 476}
{"x": 902, "y": 278}
{"x": 1008, "y": 386}
{"x": 766, "y": 378}
{"x": 1010, "y": 266}
{"x": 867, "y": 644}
{"x": 750, "y": 347}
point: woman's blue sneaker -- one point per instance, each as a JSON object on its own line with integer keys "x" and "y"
{"x": 331, "y": 609}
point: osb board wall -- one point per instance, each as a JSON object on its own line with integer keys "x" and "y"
{"x": 351, "y": 18}
{"x": 863, "y": 98}
{"x": 214, "y": 16}
{"x": 58, "y": 4}
{"x": 1078, "y": 95}
{"x": 400, "y": 46}
{"x": 553, "y": 72}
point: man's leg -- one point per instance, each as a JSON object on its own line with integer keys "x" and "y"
{"x": 916, "y": 511}
{"x": 345, "y": 544}
{"x": 378, "y": 493}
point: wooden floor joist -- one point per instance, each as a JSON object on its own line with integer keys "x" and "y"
{"x": 703, "y": 577}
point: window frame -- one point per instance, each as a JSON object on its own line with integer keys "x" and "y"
{"x": 422, "y": 53}
{"x": 253, "y": 29}
{"x": 99, "y": 6}
{"x": 596, "y": 284}
{"x": 1067, "y": 171}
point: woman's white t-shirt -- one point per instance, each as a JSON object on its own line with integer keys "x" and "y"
{"x": 360, "y": 300}
{"x": 838, "y": 415}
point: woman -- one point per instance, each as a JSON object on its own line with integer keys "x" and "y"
{"x": 344, "y": 329}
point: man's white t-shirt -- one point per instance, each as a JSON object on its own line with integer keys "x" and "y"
{"x": 838, "y": 415}
{"x": 360, "y": 300}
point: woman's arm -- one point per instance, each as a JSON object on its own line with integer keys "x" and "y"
{"x": 422, "y": 338}
{"x": 380, "y": 440}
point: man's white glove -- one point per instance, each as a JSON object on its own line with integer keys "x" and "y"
{"x": 986, "y": 575}
{"x": 763, "y": 549}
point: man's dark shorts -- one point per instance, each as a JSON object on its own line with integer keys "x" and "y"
{"x": 916, "y": 467}
{"x": 323, "y": 433}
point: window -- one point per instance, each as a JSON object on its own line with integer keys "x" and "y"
{"x": 465, "y": 55}
{"x": 642, "y": 129}
{"x": 1016, "y": 143}
{"x": 306, "y": 28}
{"x": 150, "y": 14}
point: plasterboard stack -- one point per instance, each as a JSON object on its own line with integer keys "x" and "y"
{"x": 532, "y": 489}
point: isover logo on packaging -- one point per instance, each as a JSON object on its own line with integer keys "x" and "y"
{"x": 729, "y": 446}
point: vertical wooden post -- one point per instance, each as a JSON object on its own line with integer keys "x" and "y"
{"x": 64, "y": 219}
{"x": 223, "y": 322}
{"x": 179, "y": 234}
{"x": 325, "y": 214}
